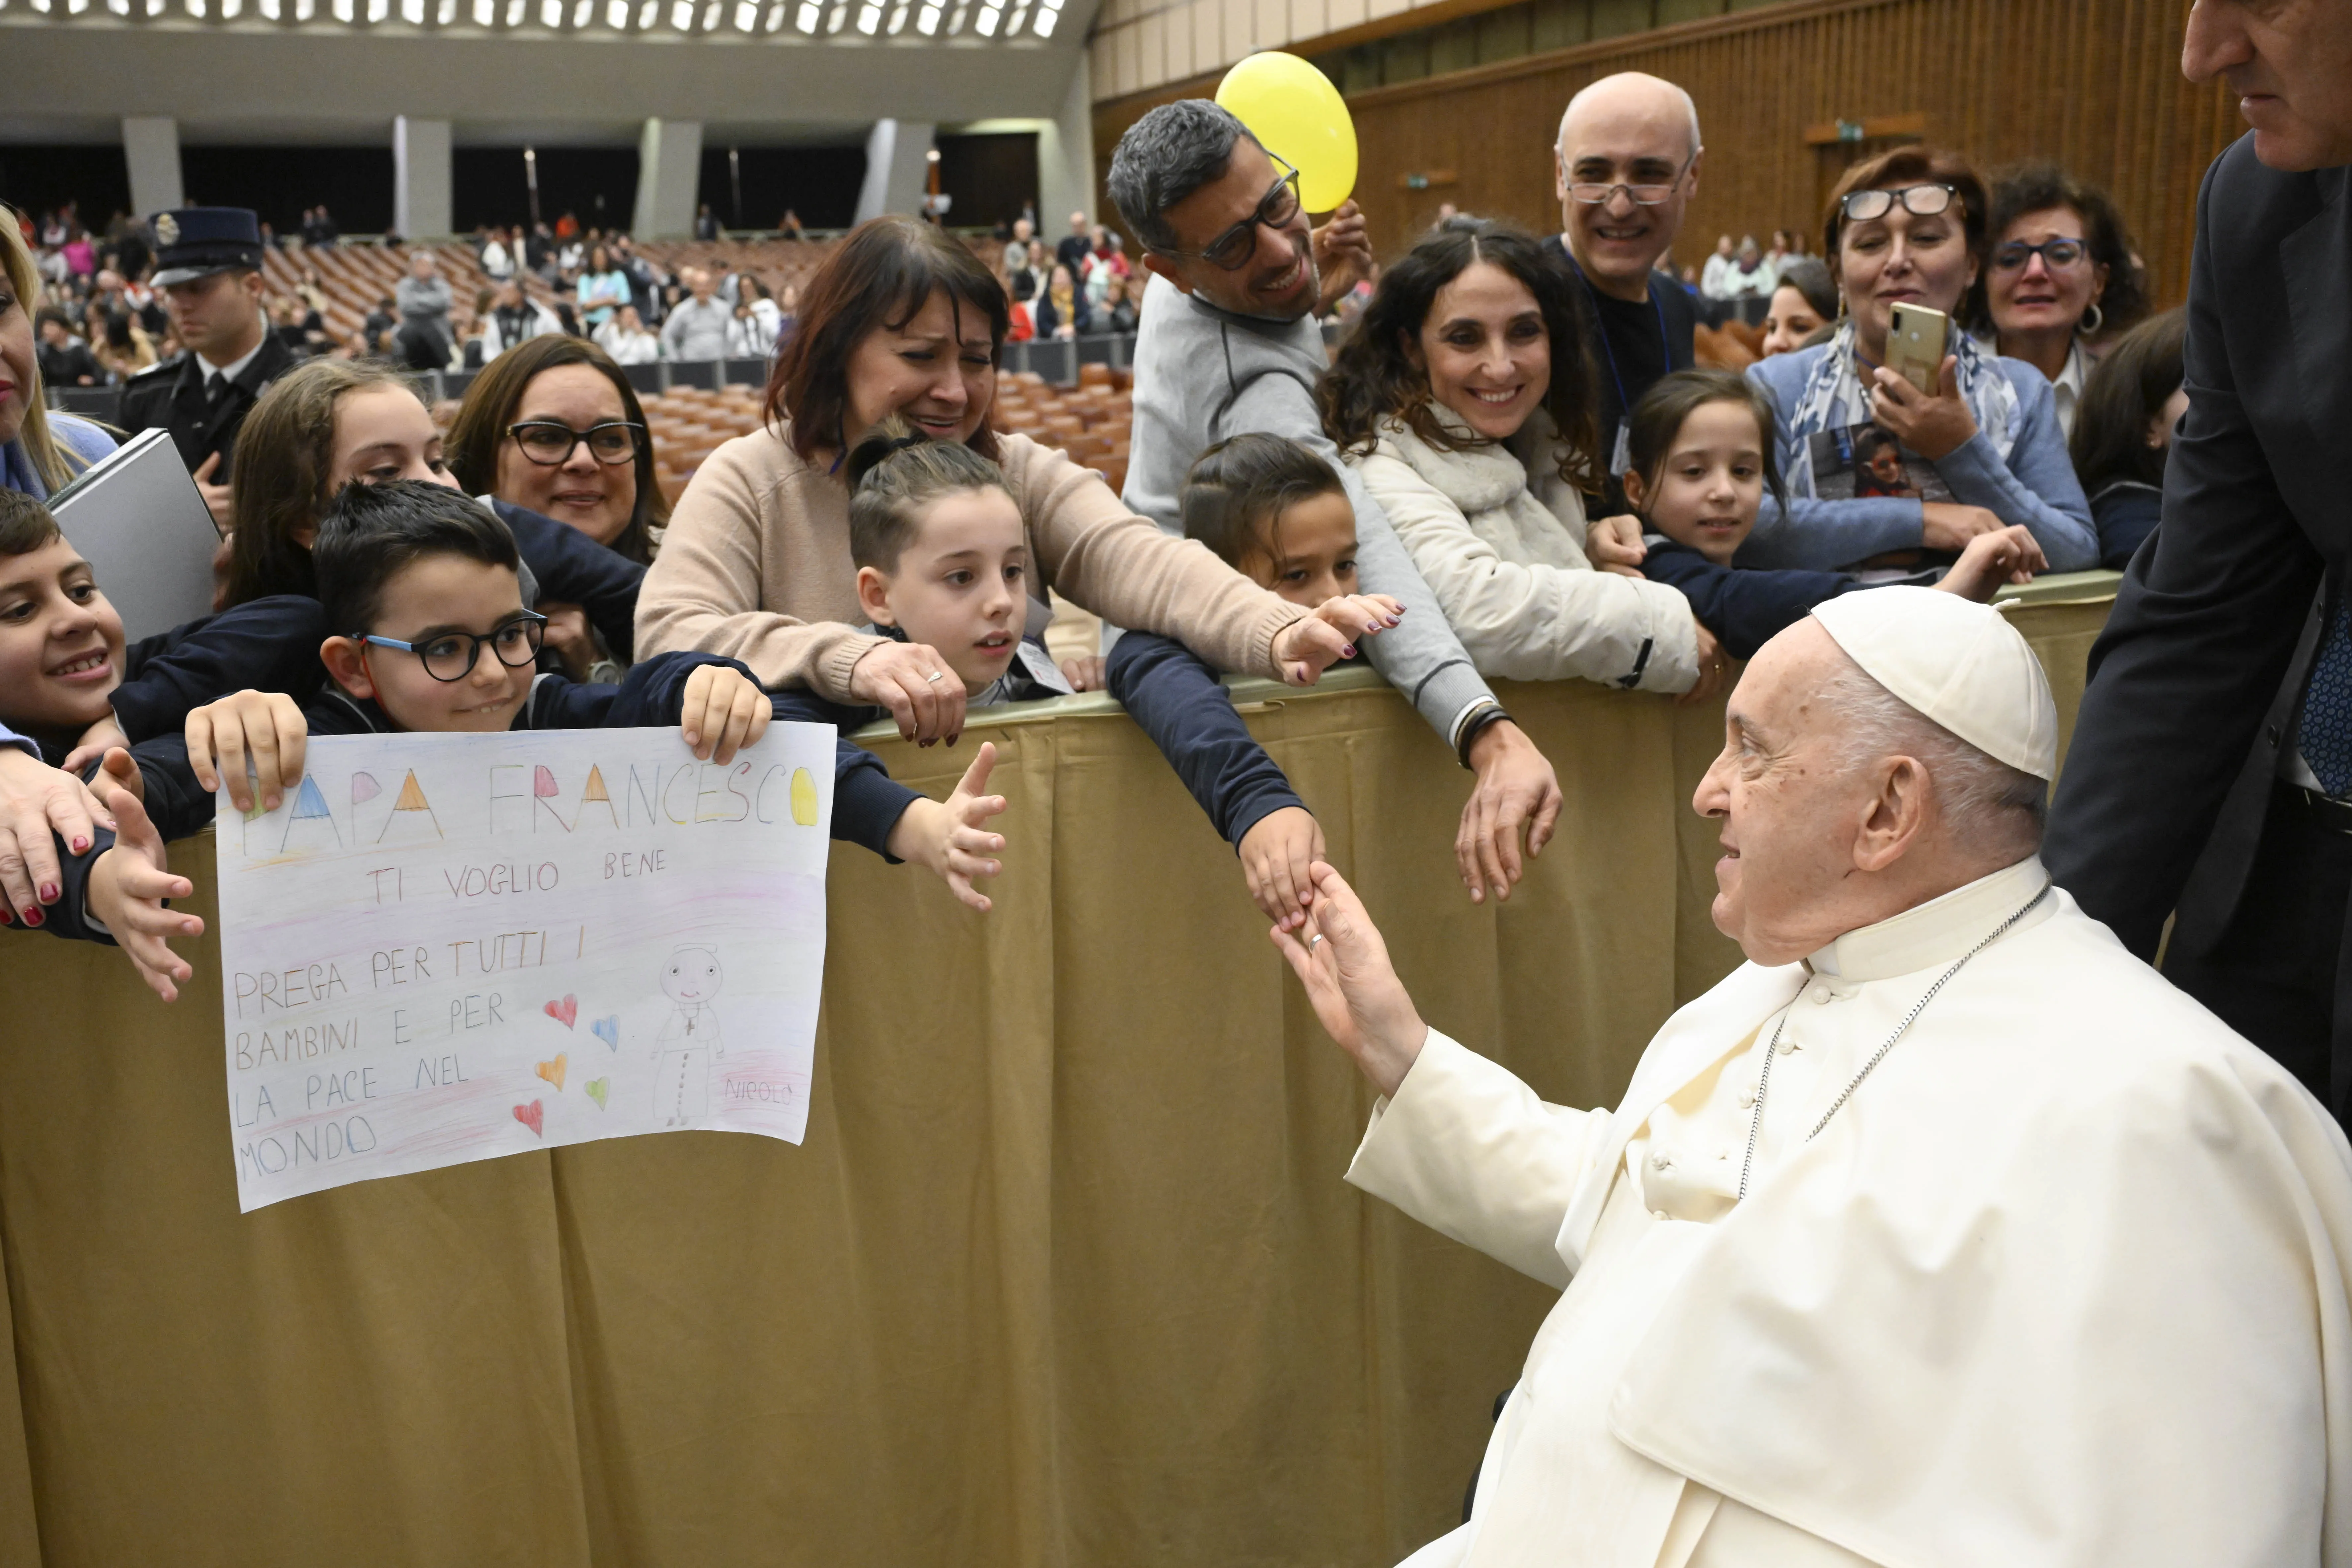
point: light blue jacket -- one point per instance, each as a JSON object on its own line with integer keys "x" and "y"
{"x": 84, "y": 441}
{"x": 2036, "y": 486}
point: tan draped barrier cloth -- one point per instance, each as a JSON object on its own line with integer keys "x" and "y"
{"x": 1065, "y": 1273}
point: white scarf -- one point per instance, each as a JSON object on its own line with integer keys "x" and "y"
{"x": 1489, "y": 483}
{"x": 1833, "y": 398}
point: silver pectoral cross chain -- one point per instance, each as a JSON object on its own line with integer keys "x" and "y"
{"x": 1764, "y": 1079}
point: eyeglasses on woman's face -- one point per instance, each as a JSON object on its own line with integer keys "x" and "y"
{"x": 549, "y": 442}
{"x": 2057, "y": 255}
{"x": 1231, "y": 250}
{"x": 451, "y": 656}
{"x": 1921, "y": 201}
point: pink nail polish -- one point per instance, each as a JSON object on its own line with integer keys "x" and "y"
{"x": 80, "y": 844}
{"x": 32, "y": 917}
{"x": 48, "y": 892}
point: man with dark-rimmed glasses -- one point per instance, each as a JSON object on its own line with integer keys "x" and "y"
{"x": 1228, "y": 342}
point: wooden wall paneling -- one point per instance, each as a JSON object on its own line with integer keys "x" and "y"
{"x": 2095, "y": 84}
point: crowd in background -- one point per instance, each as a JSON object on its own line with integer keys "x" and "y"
{"x": 101, "y": 323}
{"x": 1507, "y": 418}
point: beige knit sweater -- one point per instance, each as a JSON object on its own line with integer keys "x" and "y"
{"x": 756, "y": 566}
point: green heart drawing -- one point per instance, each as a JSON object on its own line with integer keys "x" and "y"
{"x": 597, "y": 1089}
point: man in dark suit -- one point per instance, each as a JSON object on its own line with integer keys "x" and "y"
{"x": 208, "y": 270}
{"x": 2210, "y": 772}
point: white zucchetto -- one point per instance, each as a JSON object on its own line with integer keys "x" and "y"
{"x": 1959, "y": 663}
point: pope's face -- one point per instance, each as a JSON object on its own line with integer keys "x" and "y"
{"x": 1792, "y": 814}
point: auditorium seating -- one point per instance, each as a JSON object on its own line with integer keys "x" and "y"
{"x": 354, "y": 277}
{"x": 1091, "y": 421}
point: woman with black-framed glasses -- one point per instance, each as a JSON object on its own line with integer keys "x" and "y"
{"x": 553, "y": 427}
{"x": 1983, "y": 451}
{"x": 2062, "y": 282}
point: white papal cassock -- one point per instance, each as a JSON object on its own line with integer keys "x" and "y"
{"x": 2065, "y": 1282}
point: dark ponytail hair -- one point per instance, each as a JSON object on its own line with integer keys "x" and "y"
{"x": 1235, "y": 495}
{"x": 892, "y": 475}
{"x": 1375, "y": 379}
{"x": 1658, "y": 415}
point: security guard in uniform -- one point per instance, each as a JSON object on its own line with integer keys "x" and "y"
{"x": 208, "y": 270}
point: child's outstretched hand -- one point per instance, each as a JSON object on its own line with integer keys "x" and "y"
{"x": 1358, "y": 615}
{"x": 267, "y": 727}
{"x": 130, "y": 883}
{"x": 1277, "y": 854}
{"x": 722, "y": 712}
{"x": 2005, "y": 555}
{"x": 1091, "y": 673}
{"x": 949, "y": 838}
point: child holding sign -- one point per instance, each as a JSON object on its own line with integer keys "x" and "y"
{"x": 421, "y": 559}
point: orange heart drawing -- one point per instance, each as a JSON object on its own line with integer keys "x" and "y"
{"x": 565, "y": 1011}
{"x": 530, "y": 1116}
{"x": 553, "y": 1071}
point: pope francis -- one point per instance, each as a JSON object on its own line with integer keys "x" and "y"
{"x": 1942, "y": 1232}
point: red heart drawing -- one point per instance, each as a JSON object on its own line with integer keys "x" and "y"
{"x": 565, "y": 1011}
{"x": 531, "y": 1115}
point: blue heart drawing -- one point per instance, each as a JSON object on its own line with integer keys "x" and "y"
{"x": 608, "y": 1030}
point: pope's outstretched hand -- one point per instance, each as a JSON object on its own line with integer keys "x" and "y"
{"x": 1344, "y": 964}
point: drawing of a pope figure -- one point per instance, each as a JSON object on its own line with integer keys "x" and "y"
{"x": 688, "y": 1039}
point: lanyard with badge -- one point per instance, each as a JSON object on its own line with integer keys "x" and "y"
{"x": 1620, "y": 457}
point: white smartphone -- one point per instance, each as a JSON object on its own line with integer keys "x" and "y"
{"x": 1916, "y": 338}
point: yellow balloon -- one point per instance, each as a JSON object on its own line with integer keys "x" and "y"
{"x": 1299, "y": 117}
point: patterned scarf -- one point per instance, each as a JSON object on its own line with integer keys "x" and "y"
{"x": 1833, "y": 398}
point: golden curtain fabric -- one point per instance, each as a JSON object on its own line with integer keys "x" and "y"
{"x": 1064, "y": 1274}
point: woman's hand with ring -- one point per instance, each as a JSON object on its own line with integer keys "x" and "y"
{"x": 910, "y": 680}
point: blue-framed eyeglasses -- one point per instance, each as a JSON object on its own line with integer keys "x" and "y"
{"x": 452, "y": 656}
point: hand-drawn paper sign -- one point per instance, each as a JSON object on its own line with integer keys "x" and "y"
{"x": 411, "y": 940}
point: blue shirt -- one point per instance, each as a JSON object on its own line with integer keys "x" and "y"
{"x": 2036, "y": 486}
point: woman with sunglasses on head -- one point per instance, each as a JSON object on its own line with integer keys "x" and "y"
{"x": 1983, "y": 450}
{"x": 902, "y": 320}
{"x": 553, "y": 427}
{"x": 2063, "y": 281}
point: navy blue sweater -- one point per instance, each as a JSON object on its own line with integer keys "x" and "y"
{"x": 1745, "y": 609}
{"x": 264, "y": 645}
{"x": 1174, "y": 697}
{"x": 867, "y": 801}
{"x": 572, "y": 569}
{"x": 2126, "y": 512}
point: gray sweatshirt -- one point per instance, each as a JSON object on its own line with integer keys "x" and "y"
{"x": 424, "y": 302}
{"x": 1203, "y": 374}
{"x": 697, "y": 329}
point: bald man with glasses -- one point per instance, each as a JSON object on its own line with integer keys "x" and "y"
{"x": 1625, "y": 167}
